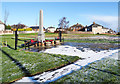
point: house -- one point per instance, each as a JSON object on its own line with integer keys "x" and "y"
{"x": 2, "y": 26}
{"x": 25, "y": 27}
{"x": 20, "y": 26}
{"x": 76, "y": 27}
{"x": 60, "y": 29}
{"x": 51, "y": 29}
{"x": 111, "y": 31}
{"x": 96, "y": 29}
{"x": 105, "y": 30}
{"x": 36, "y": 28}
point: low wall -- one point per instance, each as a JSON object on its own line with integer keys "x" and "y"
{"x": 19, "y": 32}
{"x": 6, "y": 32}
{"x": 78, "y": 32}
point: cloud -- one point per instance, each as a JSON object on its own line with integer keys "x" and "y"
{"x": 106, "y": 21}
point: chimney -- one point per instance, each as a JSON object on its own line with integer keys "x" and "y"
{"x": 93, "y": 22}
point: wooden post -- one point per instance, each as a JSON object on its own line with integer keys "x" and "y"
{"x": 39, "y": 44}
{"x": 28, "y": 46}
{"x": 43, "y": 44}
{"x": 52, "y": 42}
{"x": 60, "y": 34}
{"x": 25, "y": 44}
{"x": 16, "y": 38}
{"x": 36, "y": 44}
{"x": 6, "y": 43}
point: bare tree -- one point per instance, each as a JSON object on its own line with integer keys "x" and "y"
{"x": 6, "y": 17}
{"x": 5, "y": 20}
{"x": 63, "y": 23}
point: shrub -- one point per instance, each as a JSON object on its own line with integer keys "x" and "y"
{"x": 7, "y": 27}
{"x": 28, "y": 29}
{"x": 118, "y": 33}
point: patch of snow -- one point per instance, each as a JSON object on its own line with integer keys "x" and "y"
{"x": 27, "y": 79}
{"x": 26, "y": 64}
{"x": 73, "y": 51}
{"x": 89, "y": 55}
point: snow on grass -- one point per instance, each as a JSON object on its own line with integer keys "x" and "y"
{"x": 73, "y": 51}
{"x": 89, "y": 55}
{"x": 33, "y": 62}
{"x": 106, "y": 70}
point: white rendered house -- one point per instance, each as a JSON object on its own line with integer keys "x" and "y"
{"x": 51, "y": 29}
{"x": 97, "y": 29}
{"x": 2, "y": 26}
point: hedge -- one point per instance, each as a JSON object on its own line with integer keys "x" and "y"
{"x": 28, "y": 29}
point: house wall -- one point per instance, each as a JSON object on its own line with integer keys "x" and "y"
{"x": 35, "y": 29}
{"x": 51, "y": 29}
{"x": 75, "y": 28}
{"x": 85, "y": 29}
{"x": 97, "y": 29}
{"x": 105, "y": 30}
{"x": 79, "y": 32}
{"x": 2, "y": 27}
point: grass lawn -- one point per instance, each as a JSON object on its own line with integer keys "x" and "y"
{"x": 68, "y": 37}
{"x": 91, "y": 41}
{"x": 64, "y": 35}
{"x": 106, "y": 70}
{"x": 18, "y": 63}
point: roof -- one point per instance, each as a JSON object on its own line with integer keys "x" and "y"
{"x": 111, "y": 30}
{"x": 95, "y": 25}
{"x": 1, "y": 22}
{"x": 36, "y": 27}
{"x": 105, "y": 28}
{"x": 77, "y": 25}
{"x": 51, "y": 27}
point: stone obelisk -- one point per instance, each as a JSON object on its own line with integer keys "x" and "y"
{"x": 41, "y": 35}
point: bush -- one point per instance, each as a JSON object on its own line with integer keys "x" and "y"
{"x": 7, "y": 27}
{"x": 118, "y": 33}
{"x": 28, "y": 29}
